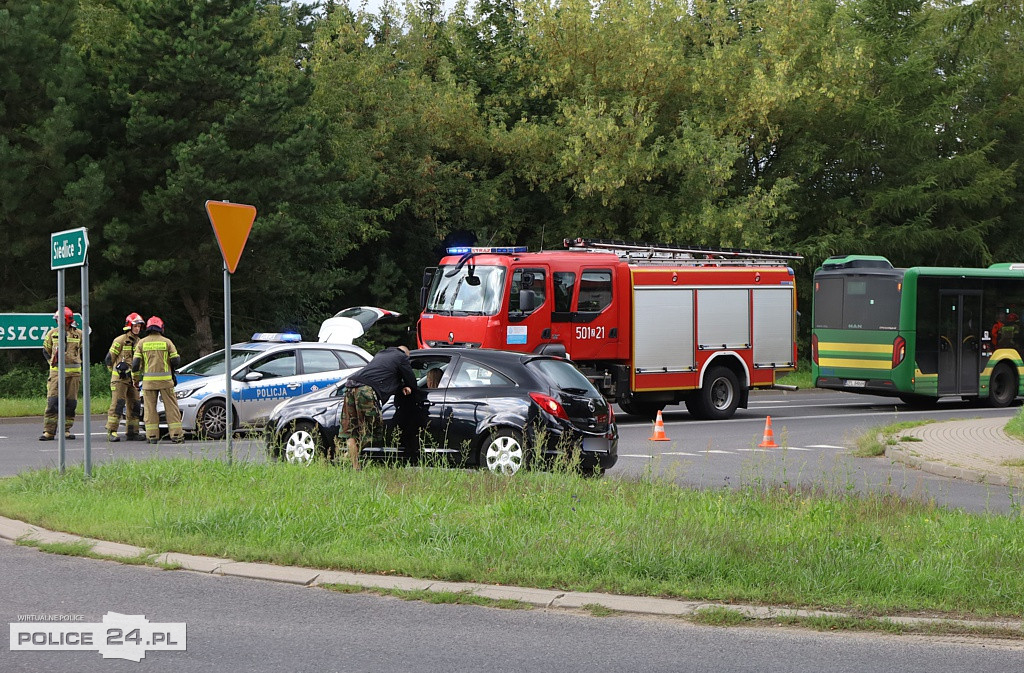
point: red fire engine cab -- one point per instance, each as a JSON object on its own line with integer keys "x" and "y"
{"x": 650, "y": 325}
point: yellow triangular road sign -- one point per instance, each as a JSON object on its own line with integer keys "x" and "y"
{"x": 232, "y": 223}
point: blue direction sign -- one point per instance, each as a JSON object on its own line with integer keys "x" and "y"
{"x": 26, "y": 330}
{"x": 68, "y": 248}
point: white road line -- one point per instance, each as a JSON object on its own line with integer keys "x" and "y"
{"x": 716, "y": 451}
{"x": 825, "y": 446}
{"x": 678, "y": 453}
{"x": 781, "y": 421}
{"x": 635, "y": 455}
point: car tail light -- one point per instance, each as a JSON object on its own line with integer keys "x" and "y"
{"x": 814, "y": 348}
{"x": 899, "y": 350}
{"x": 550, "y": 405}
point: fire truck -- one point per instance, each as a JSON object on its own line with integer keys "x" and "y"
{"x": 650, "y": 325}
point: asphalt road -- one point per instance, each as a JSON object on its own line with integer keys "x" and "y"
{"x": 816, "y": 431}
{"x": 248, "y": 625}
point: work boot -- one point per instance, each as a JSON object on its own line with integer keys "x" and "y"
{"x": 112, "y": 436}
{"x": 178, "y": 440}
{"x": 46, "y": 437}
{"x": 353, "y": 452}
{"x": 69, "y": 435}
{"x": 133, "y": 437}
{"x": 152, "y": 441}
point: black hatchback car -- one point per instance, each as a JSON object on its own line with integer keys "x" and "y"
{"x": 489, "y": 408}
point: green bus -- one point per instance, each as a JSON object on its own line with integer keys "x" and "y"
{"x": 920, "y": 333}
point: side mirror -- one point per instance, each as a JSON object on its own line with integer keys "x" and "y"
{"x": 253, "y": 376}
{"x": 527, "y": 301}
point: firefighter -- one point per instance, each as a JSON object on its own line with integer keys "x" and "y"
{"x": 124, "y": 396}
{"x": 155, "y": 360}
{"x": 72, "y": 376}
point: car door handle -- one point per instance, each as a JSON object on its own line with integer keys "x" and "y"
{"x": 293, "y": 386}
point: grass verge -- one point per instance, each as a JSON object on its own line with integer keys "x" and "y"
{"x": 34, "y": 406}
{"x": 873, "y": 555}
{"x": 437, "y": 597}
{"x": 1015, "y": 428}
{"x": 874, "y": 441}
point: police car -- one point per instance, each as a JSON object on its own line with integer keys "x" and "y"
{"x": 269, "y": 369}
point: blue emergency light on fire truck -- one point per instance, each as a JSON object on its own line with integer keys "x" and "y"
{"x": 649, "y": 324}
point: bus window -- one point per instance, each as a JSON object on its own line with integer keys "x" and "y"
{"x": 828, "y": 303}
{"x": 872, "y": 302}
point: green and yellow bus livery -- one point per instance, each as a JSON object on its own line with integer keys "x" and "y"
{"x": 919, "y": 333}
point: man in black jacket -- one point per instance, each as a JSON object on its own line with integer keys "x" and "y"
{"x": 387, "y": 374}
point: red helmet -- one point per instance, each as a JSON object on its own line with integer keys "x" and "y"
{"x": 155, "y": 323}
{"x": 132, "y": 319}
{"x": 69, "y": 316}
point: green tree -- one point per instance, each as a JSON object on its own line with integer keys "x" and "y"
{"x": 48, "y": 180}
{"x": 209, "y": 101}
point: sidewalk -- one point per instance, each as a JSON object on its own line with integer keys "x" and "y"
{"x": 973, "y": 450}
{"x": 13, "y": 530}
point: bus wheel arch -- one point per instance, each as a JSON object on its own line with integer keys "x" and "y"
{"x": 1002, "y": 385}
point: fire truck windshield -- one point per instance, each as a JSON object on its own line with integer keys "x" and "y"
{"x": 457, "y": 295}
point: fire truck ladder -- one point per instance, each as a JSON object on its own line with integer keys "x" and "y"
{"x": 656, "y": 253}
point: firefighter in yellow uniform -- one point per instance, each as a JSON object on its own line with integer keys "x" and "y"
{"x": 155, "y": 360}
{"x": 124, "y": 396}
{"x": 72, "y": 376}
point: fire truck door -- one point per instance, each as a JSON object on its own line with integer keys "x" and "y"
{"x": 593, "y": 329}
{"x": 529, "y": 309}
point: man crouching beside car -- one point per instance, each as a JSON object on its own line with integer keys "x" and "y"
{"x": 387, "y": 374}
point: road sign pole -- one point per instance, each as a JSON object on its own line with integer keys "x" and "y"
{"x": 86, "y": 384}
{"x": 61, "y": 389}
{"x": 227, "y": 359}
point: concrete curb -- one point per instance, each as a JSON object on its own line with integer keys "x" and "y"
{"x": 14, "y": 531}
{"x": 901, "y": 455}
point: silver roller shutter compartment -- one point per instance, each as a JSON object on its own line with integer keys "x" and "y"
{"x": 663, "y": 334}
{"x": 723, "y": 319}
{"x": 773, "y": 327}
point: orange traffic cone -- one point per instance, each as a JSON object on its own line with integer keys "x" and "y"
{"x": 768, "y": 442}
{"x": 659, "y": 430}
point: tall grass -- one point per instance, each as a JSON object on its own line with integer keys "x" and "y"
{"x": 873, "y": 554}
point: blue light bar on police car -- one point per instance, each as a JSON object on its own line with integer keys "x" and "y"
{"x": 287, "y": 337}
{"x": 502, "y": 250}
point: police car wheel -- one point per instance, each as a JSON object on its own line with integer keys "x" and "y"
{"x": 301, "y": 444}
{"x": 213, "y": 418}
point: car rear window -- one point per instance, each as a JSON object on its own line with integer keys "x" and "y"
{"x": 564, "y": 376}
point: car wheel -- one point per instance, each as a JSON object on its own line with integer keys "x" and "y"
{"x": 719, "y": 396}
{"x": 213, "y": 419}
{"x": 301, "y": 444}
{"x": 503, "y": 452}
{"x": 1002, "y": 386}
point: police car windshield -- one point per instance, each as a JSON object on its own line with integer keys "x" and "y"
{"x": 458, "y": 295}
{"x": 213, "y": 364}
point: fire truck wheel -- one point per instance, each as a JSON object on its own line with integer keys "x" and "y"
{"x": 646, "y": 410}
{"x": 720, "y": 394}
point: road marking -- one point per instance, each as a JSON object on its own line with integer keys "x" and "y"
{"x": 716, "y": 451}
{"x": 825, "y": 446}
{"x": 680, "y": 424}
{"x": 635, "y": 455}
{"x": 677, "y": 453}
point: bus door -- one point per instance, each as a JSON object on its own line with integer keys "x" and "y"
{"x": 960, "y": 331}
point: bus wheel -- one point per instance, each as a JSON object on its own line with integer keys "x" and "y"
{"x": 719, "y": 395}
{"x": 1002, "y": 386}
{"x": 918, "y": 401}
